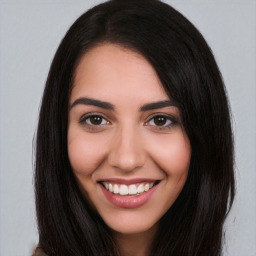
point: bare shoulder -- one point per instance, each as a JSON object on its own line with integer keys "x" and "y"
{"x": 39, "y": 252}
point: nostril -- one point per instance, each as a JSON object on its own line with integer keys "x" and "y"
{"x": 126, "y": 161}
{"x": 126, "y": 152}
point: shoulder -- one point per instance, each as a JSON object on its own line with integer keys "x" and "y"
{"x": 39, "y": 252}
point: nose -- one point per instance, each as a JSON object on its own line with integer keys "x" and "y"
{"x": 127, "y": 153}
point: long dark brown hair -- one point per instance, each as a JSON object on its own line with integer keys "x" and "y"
{"x": 189, "y": 74}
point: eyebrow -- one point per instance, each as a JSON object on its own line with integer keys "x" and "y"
{"x": 109, "y": 106}
{"x": 93, "y": 102}
{"x": 159, "y": 104}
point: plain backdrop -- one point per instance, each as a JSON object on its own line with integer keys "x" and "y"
{"x": 30, "y": 32}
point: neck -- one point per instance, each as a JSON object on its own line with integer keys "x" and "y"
{"x": 135, "y": 244}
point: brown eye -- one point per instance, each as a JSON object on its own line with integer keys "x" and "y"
{"x": 95, "y": 120}
{"x": 160, "y": 120}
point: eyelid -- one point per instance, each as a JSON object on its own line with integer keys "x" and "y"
{"x": 169, "y": 117}
{"x": 93, "y": 114}
{"x": 83, "y": 118}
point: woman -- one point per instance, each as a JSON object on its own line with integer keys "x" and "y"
{"x": 134, "y": 142}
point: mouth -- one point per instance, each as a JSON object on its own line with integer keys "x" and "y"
{"x": 135, "y": 189}
{"x": 129, "y": 193}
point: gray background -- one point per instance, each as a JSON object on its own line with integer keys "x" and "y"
{"x": 30, "y": 32}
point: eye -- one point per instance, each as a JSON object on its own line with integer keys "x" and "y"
{"x": 96, "y": 120}
{"x": 161, "y": 122}
{"x": 93, "y": 121}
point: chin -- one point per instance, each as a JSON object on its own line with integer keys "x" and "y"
{"x": 131, "y": 222}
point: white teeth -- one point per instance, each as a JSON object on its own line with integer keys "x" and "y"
{"x": 140, "y": 189}
{"x": 123, "y": 190}
{"x": 132, "y": 190}
{"x": 106, "y": 185}
{"x": 116, "y": 189}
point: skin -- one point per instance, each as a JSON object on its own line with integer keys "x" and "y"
{"x": 126, "y": 142}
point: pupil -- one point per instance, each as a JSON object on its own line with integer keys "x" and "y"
{"x": 96, "y": 120}
{"x": 159, "y": 120}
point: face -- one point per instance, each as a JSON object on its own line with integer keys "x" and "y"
{"x": 126, "y": 144}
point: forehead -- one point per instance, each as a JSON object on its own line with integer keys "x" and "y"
{"x": 109, "y": 69}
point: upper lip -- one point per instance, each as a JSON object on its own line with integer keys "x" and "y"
{"x": 128, "y": 181}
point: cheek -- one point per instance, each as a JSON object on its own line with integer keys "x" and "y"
{"x": 173, "y": 154}
{"x": 85, "y": 154}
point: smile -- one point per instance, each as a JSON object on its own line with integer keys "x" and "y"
{"x": 125, "y": 190}
{"x": 131, "y": 195}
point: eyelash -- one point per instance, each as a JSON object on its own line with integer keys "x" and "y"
{"x": 171, "y": 121}
{"x": 91, "y": 126}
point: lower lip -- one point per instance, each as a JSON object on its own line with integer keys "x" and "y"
{"x": 129, "y": 201}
